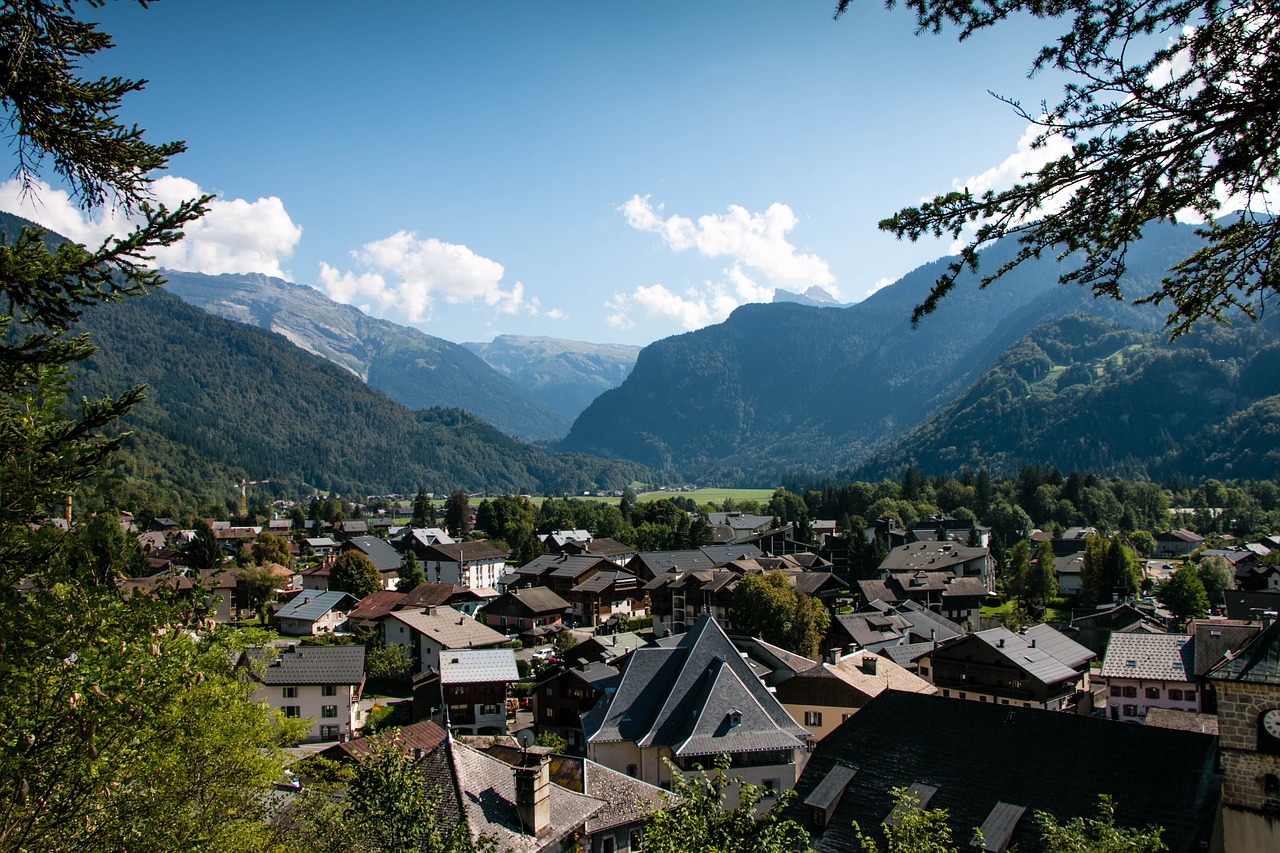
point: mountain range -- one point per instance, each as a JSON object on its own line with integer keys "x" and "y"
{"x": 784, "y": 389}
{"x": 409, "y": 366}
{"x": 567, "y": 375}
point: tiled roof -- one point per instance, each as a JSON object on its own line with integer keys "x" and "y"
{"x": 449, "y": 629}
{"x": 1158, "y": 776}
{"x": 1159, "y": 657}
{"x": 907, "y": 654}
{"x": 531, "y": 599}
{"x": 424, "y": 735}
{"x": 310, "y": 605}
{"x": 375, "y": 605}
{"x": 308, "y": 665}
{"x": 478, "y": 666}
{"x": 488, "y": 790}
{"x": 428, "y": 594}
{"x": 626, "y": 800}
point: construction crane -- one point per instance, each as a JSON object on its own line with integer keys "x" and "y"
{"x": 244, "y": 500}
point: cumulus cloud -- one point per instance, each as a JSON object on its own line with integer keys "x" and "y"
{"x": 405, "y": 277}
{"x": 756, "y": 244}
{"x": 756, "y": 241}
{"x": 235, "y": 236}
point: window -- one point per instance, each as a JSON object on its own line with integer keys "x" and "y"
{"x": 289, "y": 692}
{"x": 549, "y": 713}
{"x": 1131, "y": 710}
{"x": 489, "y": 709}
{"x": 459, "y": 690}
{"x": 964, "y": 696}
{"x": 813, "y": 718}
{"x": 1153, "y": 693}
{"x": 982, "y": 698}
{"x": 1175, "y": 694}
{"x": 924, "y": 672}
{"x": 328, "y": 732}
{"x": 637, "y": 841}
{"x": 1189, "y": 695}
{"x": 329, "y": 712}
{"x": 844, "y": 717}
{"x": 770, "y": 789}
{"x": 292, "y": 711}
{"x": 606, "y": 844}
{"x": 633, "y": 772}
{"x": 1130, "y": 692}
{"x": 946, "y": 694}
{"x": 329, "y": 690}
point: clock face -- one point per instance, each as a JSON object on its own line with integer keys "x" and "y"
{"x": 1271, "y": 722}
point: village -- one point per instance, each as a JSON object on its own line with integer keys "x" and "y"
{"x": 572, "y": 689}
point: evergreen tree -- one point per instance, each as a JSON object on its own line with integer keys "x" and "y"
{"x": 203, "y": 551}
{"x": 411, "y": 573}
{"x": 424, "y": 514}
{"x": 457, "y": 513}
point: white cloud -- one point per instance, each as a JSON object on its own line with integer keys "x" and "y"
{"x": 754, "y": 240}
{"x": 693, "y": 310}
{"x": 404, "y": 277}
{"x": 235, "y": 236}
{"x": 756, "y": 244}
{"x": 879, "y": 285}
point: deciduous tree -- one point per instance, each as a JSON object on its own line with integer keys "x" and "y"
{"x": 697, "y": 817}
{"x": 355, "y": 573}
{"x": 457, "y": 513}
{"x": 1168, "y": 112}
{"x": 1183, "y": 594}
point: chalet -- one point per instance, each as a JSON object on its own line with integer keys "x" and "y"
{"x": 560, "y": 701}
{"x": 523, "y": 610}
{"x": 690, "y": 701}
{"x": 321, "y": 546}
{"x": 606, "y": 594}
{"x": 1177, "y": 543}
{"x": 945, "y": 528}
{"x": 825, "y": 695}
{"x": 611, "y": 549}
{"x": 881, "y": 625}
{"x": 557, "y": 539}
{"x": 567, "y": 572}
{"x": 319, "y": 683}
{"x": 989, "y": 773}
{"x": 677, "y": 598}
{"x": 1038, "y": 667}
{"x": 415, "y": 739}
{"x": 1069, "y": 570}
{"x": 961, "y": 560}
{"x": 738, "y": 526}
{"x": 350, "y": 527}
{"x": 649, "y": 564}
{"x": 311, "y": 613}
{"x": 419, "y": 539}
{"x": 1093, "y": 628}
{"x": 472, "y": 686}
{"x": 429, "y": 632}
{"x": 474, "y": 565}
{"x": 956, "y": 599}
{"x": 602, "y": 648}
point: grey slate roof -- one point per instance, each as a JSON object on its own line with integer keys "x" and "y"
{"x": 1163, "y": 657}
{"x": 307, "y": 665}
{"x": 601, "y": 581}
{"x": 383, "y": 555}
{"x": 1154, "y": 775}
{"x": 626, "y": 800}
{"x": 1040, "y": 662}
{"x": 478, "y": 666}
{"x": 681, "y": 697}
{"x": 930, "y": 556}
{"x": 1256, "y": 663}
{"x": 310, "y": 605}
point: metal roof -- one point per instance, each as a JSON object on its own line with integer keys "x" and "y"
{"x": 310, "y": 605}
{"x": 473, "y": 666}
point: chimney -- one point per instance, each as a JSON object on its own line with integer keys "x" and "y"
{"x": 431, "y": 610}
{"x": 833, "y": 656}
{"x": 291, "y": 648}
{"x": 868, "y": 664}
{"x": 1033, "y": 642}
{"x": 533, "y": 791}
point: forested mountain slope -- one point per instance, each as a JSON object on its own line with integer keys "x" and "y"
{"x": 784, "y": 387}
{"x": 1083, "y": 393}
{"x": 242, "y": 397}
{"x": 409, "y": 366}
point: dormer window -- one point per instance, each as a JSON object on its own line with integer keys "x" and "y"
{"x": 734, "y": 717}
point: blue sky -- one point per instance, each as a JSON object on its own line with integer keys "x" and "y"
{"x": 600, "y": 171}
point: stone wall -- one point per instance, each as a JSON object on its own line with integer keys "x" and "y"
{"x": 1239, "y": 708}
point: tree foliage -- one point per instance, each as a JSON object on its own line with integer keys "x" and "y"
{"x": 260, "y": 583}
{"x": 411, "y": 573}
{"x": 457, "y": 513}
{"x": 355, "y": 573}
{"x": 768, "y": 606}
{"x": 696, "y": 817}
{"x": 1183, "y": 594}
{"x": 1169, "y": 112}
{"x": 1216, "y": 575}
